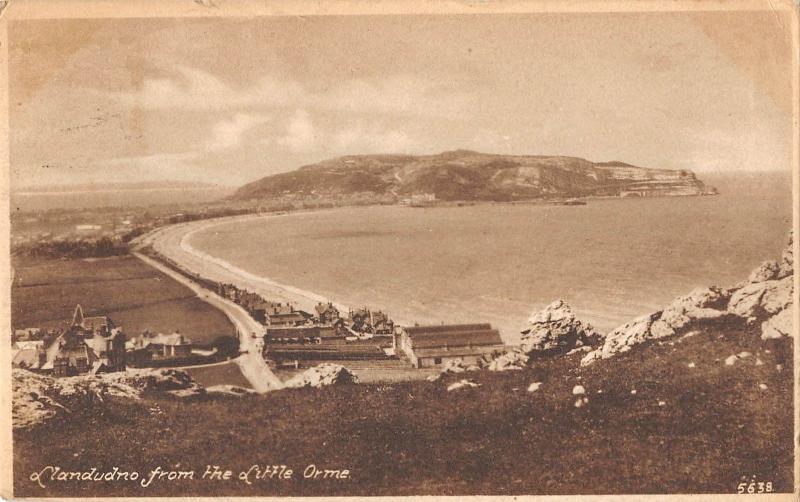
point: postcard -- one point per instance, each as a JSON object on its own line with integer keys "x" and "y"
{"x": 362, "y": 249}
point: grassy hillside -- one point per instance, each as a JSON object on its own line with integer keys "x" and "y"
{"x": 44, "y": 294}
{"x": 467, "y": 175}
{"x": 716, "y": 428}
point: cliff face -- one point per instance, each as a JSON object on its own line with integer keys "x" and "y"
{"x": 466, "y": 175}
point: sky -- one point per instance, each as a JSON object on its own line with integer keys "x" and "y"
{"x": 228, "y": 101}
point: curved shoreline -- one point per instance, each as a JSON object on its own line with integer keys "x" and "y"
{"x": 174, "y": 243}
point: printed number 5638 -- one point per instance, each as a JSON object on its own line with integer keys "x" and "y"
{"x": 755, "y": 487}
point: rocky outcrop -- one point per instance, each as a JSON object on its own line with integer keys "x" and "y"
{"x": 762, "y": 299}
{"x": 555, "y": 329}
{"x": 779, "y": 325}
{"x": 766, "y": 296}
{"x": 511, "y": 360}
{"x": 37, "y": 398}
{"x": 322, "y": 375}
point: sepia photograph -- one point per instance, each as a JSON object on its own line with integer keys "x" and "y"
{"x": 399, "y": 249}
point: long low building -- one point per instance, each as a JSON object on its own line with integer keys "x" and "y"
{"x": 428, "y": 346}
{"x": 298, "y": 333}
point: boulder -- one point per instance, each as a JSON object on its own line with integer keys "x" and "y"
{"x": 762, "y": 298}
{"x": 462, "y": 384}
{"x": 511, "y": 360}
{"x": 623, "y": 338}
{"x": 779, "y": 325}
{"x": 534, "y": 386}
{"x": 700, "y": 304}
{"x": 767, "y": 271}
{"x": 454, "y": 366}
{"x": 322, "y": 375}
{"x": 556, "y": 329}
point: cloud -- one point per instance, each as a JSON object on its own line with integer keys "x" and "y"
{"x": 228, "y": 133}
{"x": 300, "y": 133}
{"x": 372, "y": 139}
{"x": 193, "y": 89}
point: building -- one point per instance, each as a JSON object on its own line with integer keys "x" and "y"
{"x": 276, "y": 334}
{"x": 157, "y": 347}
{"x": 427, "y": 346}
{"x": 90, "y": 344}
{"x": 327, "y": 313}
{"x": 283, "y": 315}
{"x": 28, "y": 354}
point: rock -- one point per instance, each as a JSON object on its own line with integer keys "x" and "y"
{"x": 232, "y": 390}
{"x": 433, "y": 378}
{"x": 762, "y": 298}
{"x": 662, "y": 403}
{"x": 700, "y": 304}
{"x": 461, "y": 384}
{"x": 759, "y": 362}
{"x": 767, "y": 271}
{"x": 744, "y": 355}
{"x": 779, "y": 325}
{"x": 534, "y": 386}
{"x": 578, "y": 390}
{"x": 691, "y": 365}
{"x": 762, "y": 386}
{"x": 454, "y": 366}
{"x": 511, "y": 360}
{"x": 581, "y": 401}
{"x": 322, "y": 375}
{"x": 786, "y": 263}
{"x": 623, "y": 338}
{"x": 633, "y": 392}
{"x": 37, "y": 398}
{"x": 556, "y": 329}
{"x": 731, "y": 360}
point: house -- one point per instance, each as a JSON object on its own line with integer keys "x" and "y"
{"x": 155, "y": 347}
{"x": 427, "y": 346}
{"x": 283, "y": 315}
{"x": 89, "y": 344}
{"x": 326, "y": 313}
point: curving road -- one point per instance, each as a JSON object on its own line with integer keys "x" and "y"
{"x": 252, "y": 364}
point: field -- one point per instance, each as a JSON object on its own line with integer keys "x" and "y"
{"x": 44, "y": 294}
{"x": 219, "y": 374}
{"x": 718, "y": 426}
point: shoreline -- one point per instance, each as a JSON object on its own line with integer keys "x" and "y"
{"x": 173, "y": 242}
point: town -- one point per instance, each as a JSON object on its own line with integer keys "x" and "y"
{"x": 290, "y": 339}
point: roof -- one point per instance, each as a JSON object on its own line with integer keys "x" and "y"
{"x": 456, "y": 352}
{"x": 26, "y": 357}
{"x": 173, "y": 339}
{"x": 29, "y": 344}
{"x": 453, "y": 336}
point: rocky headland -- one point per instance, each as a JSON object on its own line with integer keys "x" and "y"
{"x": 468, "y": 175}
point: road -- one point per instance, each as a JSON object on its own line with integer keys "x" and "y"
{"x": 253, "y": 366}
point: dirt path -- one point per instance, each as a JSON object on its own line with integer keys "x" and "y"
{"x": 253, "y": 366}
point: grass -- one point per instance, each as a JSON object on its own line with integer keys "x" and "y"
{"x": 221, "y": 374}
{"x": 716, "y": 429}
{"x": 44, "y": 294}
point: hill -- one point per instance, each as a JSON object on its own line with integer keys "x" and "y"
{"x": 468, "y": 175}
{"x": 719, "y": 425}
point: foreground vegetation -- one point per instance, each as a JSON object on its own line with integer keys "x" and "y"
{"x": 134, "y": 295}
{"x": 701, "y": 427}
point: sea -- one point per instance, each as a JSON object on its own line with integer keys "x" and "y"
{"x": 610, "y": 260}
